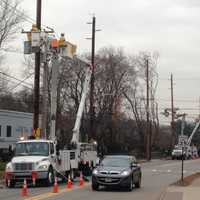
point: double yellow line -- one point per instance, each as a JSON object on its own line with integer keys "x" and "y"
{"x": 51, "y": 194}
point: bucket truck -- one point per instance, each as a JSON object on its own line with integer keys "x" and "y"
{"x": 39, "y": 160}
{"x": 184, "y": 144}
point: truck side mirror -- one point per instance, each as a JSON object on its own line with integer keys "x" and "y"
{"x": 57, "y": 150}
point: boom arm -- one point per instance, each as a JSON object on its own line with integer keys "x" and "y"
{"x": 76, "y": 129}
{"x": 193, "y": 132}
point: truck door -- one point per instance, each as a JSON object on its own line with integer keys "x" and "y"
{"x": 52, "y": 155}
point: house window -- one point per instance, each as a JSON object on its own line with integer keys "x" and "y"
{"x": 9, "y": 131}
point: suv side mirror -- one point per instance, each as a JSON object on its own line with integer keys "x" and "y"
{"x": 135, "y": 164}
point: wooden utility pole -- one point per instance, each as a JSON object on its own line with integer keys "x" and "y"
{"x": 44, "y": 100}
{"x": 92, "y": 109}
{"x": 172, "y": 113}
{"x": 37, "y": 71}
{"x": 148, "y": 157}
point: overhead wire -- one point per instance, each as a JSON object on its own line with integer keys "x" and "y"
{"x": 22, "y": 81}
{"x": 14, "y": 82}
{"x": 14, "y": 78}
{"x": 25, "y": 17}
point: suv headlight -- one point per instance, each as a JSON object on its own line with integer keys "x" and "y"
{"x": 95, "y": 172}
{"x": 125, "y": 173}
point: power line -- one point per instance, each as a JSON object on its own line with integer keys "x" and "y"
{"x": 21, "y": 82}
{"x": 14, "y": 78}
{"x": 25, "y": 17}
{"x": 181, "y": 79}
{"x": 12, "y": 50}
{"x": 15, "y": 82}
{"x": 178, "y": 100}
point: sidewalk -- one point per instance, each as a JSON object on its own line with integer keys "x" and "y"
{"x": 191, "y": 192}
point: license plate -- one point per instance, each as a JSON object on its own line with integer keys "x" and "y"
{"x": 108, "y": 180}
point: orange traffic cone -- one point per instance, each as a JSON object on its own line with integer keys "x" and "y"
{"x": 81, "y": 181}
{"x": 55, "y": 187}
{"x": 69, "y": 183}
{"x": 24, "y": 191}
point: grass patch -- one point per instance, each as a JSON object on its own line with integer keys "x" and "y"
{"x": 1, "y": 175}
{"x": 187, "y": 180}
{"x": 2, "y": 166}
{"x": 2, "y": 169}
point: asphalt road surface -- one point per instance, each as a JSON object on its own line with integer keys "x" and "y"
{"x": 156, "y": 176}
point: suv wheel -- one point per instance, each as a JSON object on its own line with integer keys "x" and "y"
{"x": 11, "y": 185}
{"x": 95, "y": 186}
{"x": 130, "y": 186}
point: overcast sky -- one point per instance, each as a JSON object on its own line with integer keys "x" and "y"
{"x": 170, "y": 27}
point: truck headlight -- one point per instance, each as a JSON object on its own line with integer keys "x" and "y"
{"x": 125, "y": 173}
{"x": 9, "y": 167}
{"x": 43, "y": 167}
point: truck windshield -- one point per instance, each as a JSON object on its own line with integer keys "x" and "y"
{"x": 32, "y": 149}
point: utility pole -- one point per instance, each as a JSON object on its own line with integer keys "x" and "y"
{"x": 92, "y": 109}
{"x": 55, "y": 71}
{"x": 148, "y": 157}
{"x": 45, "y": 95}
{"x": 172, "y": 112}
{"x": 37, "y": 71}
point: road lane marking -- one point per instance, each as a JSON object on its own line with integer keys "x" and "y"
{"x": 51, "y": 194}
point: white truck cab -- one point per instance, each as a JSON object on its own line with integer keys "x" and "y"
{"x": 33, "y": 159}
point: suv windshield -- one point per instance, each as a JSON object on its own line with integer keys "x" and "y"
{"x": 32, "y": 149}
{"x": 116, "y": 162}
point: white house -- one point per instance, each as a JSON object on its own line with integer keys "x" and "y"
{"x": 13, "y": 126}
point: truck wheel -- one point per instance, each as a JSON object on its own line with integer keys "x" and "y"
{"x": 50, "y": 177}
{"x": 12, "y": 184}
{"x": 72, "y": 174}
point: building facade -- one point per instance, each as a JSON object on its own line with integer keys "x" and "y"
{"x": 13, "y": 126}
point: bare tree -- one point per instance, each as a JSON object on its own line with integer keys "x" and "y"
{"x": 135, "y": 93}
{"x": 10, "y": 19}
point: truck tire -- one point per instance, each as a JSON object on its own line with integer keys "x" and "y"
{"x": 50, "y": 177}
{"x": 12, "y": 183}
{"x": 72, "y": 174}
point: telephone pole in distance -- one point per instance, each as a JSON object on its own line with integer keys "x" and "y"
{"x": 172, "y": 112}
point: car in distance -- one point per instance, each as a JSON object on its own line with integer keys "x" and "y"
{"x": 122, "y": 171}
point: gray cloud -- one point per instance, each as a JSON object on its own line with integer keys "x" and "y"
{"x": 170, "y": 27}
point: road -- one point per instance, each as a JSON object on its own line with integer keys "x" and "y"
{"x": 157, "y": 175}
